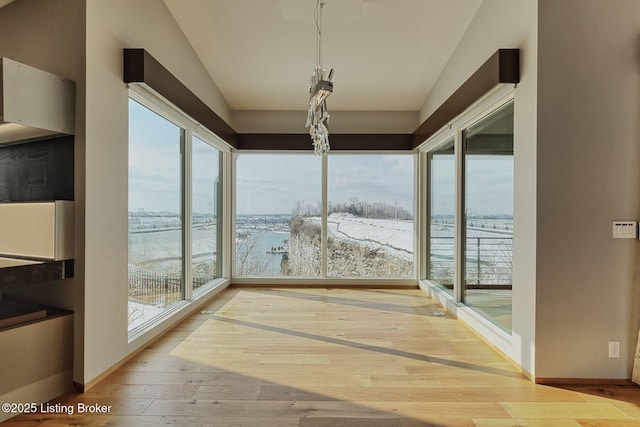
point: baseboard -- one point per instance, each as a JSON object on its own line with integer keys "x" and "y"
{"x": 198, "y": 304}
{"x": 326, "y": 285}
{"x": 460, "y": 312}
{"x": 81, "y": 388}
{"x": 497, "y": 349}
{"x": 38, "y": 392}
{"x": 582, "y": 381}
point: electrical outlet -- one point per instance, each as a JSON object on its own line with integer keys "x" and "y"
{"x": 614, "y": 349}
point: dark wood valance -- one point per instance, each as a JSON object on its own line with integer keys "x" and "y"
{"x": 339, "y": 142}
{"x": 502, "y": 67}
{"x": 141, "y": 67}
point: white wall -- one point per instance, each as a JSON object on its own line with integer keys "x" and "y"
{"x": 45, "y": 34}
{"x": 111, "y": 26}
{"x": 588, "y": 176}
{"x": 508, "y": 24}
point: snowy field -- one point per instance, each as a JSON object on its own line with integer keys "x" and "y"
{"x": 393, "y": 237}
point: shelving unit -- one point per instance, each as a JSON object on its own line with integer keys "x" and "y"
{"x": 37, "y": 123}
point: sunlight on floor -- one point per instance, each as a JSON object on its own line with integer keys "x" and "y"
{"x": 325, "y": 347}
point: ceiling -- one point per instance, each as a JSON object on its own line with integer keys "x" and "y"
{"x": 387, "y": 54}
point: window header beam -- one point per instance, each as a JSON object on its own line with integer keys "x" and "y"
{"x": 502, "y": 67}
{"x": 142, "y": 68}
{"x": 339, "y": 142}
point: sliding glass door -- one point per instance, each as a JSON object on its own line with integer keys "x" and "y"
{"x": 442, "y": 205}
{"x": 488, "y": 215}
{"x": 470, "y": 175}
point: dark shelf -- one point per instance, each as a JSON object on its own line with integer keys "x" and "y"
{"x": 22, "y": 310}
{"x": 46, "y": 271}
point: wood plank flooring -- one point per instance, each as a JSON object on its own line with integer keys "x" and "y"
{"x": 331, "y": 358}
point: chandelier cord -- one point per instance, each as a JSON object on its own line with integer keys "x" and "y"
{"x": 318, "y": 18}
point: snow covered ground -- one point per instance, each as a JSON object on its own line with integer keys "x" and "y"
{"x": 397, "y": 237}
{"x": 394, "y": 237}
{"x": 141, "y": 313}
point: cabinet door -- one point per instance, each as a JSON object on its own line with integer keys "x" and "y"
{"x": 37, "y": 230}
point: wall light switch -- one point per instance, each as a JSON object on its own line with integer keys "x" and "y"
{"x": 625, "y": 230}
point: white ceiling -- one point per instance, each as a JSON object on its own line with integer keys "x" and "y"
{"x": 387, "y": 54}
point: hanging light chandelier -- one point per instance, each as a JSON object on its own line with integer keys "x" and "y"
{"x": 319, "y": 90}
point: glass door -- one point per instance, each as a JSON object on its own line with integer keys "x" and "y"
{"x": 488, "y": 215}
{"x": 441, "y": 208}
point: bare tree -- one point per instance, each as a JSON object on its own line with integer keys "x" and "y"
{"x": 250, "y": 258}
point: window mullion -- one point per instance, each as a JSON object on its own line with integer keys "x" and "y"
{"x": 324, "y": 232}
{"x": 459, "y": 219}
{"x": 187, "y": 216}
{"x": 233, "y": 238}
{"x": 424, "y": 214}
{"x": 228, "y": 216}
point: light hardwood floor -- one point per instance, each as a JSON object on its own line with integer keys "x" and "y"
{"x": 330, "y": 358}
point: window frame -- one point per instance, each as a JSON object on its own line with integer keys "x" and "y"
{"x": 443, "y": 141}
{"x": 415, "y": 206}
{"x": 324, "y": 279}
{"x": 156, "y": 103}
{"x": 491, "y": 101}
{"x": 273, "y": 279}
{"x": 203, "y": 135}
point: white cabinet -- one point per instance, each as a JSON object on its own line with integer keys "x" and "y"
{"x": 42, "y": 230}
{"x": 34, "y": 103}
{"x": 36, "y": 360}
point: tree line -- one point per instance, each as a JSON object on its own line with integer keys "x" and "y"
{"x": 355, "y": 207}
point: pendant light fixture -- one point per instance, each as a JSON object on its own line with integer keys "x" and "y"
{"x": 319, "y": 90}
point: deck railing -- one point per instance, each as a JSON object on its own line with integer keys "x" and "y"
{"x": 488, "y": 261}
{"x": 158, "y": 288}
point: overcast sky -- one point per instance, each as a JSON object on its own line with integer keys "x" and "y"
{"x": 489, "y": 185}
{"x": 154, "y": 162}
{"x": 274, "y": 183}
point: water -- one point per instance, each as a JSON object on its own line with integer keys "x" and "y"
{"x": 264, "y": 240}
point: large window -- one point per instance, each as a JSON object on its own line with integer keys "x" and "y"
{"x": 286, "y": 227}
{"x": 175, "y": 210}
{"x": 156, "y": 274}
{"x": 278, "y": 215}
{"x": 370, "y": 215}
